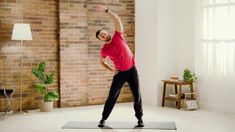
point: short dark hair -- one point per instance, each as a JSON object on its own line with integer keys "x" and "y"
{"x": 97, "y": 34}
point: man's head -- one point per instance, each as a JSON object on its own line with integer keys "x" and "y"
{"x": 103, "y": 36}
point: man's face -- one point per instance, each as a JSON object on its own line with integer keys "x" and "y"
{"x": 104, "y": 36}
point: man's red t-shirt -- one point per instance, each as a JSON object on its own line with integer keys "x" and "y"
{"x": 118, "y": 51}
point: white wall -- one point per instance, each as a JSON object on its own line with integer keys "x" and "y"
{"x": 167, "y": 43}
{"x": 164, "y": 43}
{"x": 146, "y": 40}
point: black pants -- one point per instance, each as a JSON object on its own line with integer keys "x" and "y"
{"x": 119, "y": 79}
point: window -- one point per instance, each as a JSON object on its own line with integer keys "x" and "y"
{"x": 216, "y": 36}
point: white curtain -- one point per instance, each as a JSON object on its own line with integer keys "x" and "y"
{"x": 215, "y": 53}
{"x": 215, "y": 37}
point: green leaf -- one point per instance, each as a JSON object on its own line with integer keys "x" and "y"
{"x": 40, "y": 88}
{"x": 50, "y": 78}
{"x": 38, "y": 74}
{"x": 35, "y": 71}
{"x": 42, "y": 66}
{"x": 51, "y": 96}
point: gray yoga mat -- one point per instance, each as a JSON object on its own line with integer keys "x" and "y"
{"x": 119, "y": 125}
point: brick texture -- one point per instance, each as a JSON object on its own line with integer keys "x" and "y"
{"x": 63, "y": 36}
{"x": 43, "y": 16}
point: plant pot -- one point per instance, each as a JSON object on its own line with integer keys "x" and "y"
{"x": 46, "y": 106}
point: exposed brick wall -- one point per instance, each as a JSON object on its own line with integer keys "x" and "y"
{"x": 42, "y": 15}
{"x": 64, "y": 37}
{"x": 73, "y": 53}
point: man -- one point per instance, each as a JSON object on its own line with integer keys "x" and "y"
{"x": 118, "y": 51}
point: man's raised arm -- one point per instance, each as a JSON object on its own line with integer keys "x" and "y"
{"x": 114, "y": 16}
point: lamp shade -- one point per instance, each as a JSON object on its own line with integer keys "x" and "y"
{"x": 21, "y": 31}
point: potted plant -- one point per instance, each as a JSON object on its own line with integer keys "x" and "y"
{"x": 42, "y": 85}
{"x": 188, "y": 76}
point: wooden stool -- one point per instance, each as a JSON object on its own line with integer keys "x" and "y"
{"x": 178, "y": 92}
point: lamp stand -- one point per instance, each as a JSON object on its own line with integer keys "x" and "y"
{"x": 21, "y": 79}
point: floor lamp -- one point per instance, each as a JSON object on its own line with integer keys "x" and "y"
{"x": 21, "y": 31}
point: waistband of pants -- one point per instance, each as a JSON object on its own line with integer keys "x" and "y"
{"x": 127, "y": 70}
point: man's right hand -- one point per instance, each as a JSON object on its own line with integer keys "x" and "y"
{"x": 107, "y": 66}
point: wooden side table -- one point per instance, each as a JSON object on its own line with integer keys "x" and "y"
{"x": 178, "y": 91}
